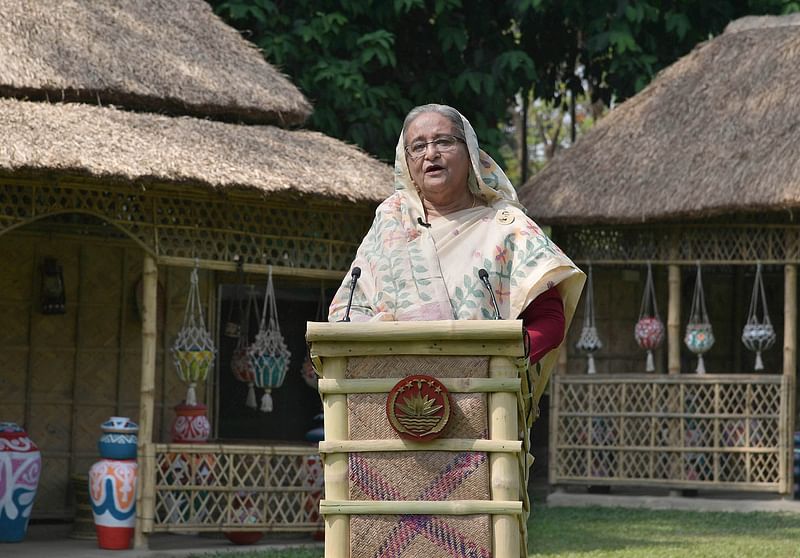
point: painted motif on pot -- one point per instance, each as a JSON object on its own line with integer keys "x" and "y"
{"x": 20, "y": 468}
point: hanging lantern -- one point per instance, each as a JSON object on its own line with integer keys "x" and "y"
{"x": 758, "y": 335}
{"x": 589, "y": 340}
{"x": 307, "y": 371}
{"x": 241, "y": 365}
{"x": 649, "y": 330}
{"x": 268, "y": 353}
{"x": 699, "y": 336}
{"x": 193, "y": 351}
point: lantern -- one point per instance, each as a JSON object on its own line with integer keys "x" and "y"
{"x": 241, "y": 365}
{"x": 269, "y": 355}
{"x": 699, "y": 336}
{"x": 649, "y": 330}
{"x": 193, "y": 351}
{"x": 758, "y": 335}
{"x": 589, "y": 340}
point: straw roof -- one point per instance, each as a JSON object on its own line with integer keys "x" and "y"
{"x": 167, "y": 55}
{"x": 715, "y": 133}
{"x": 107, "y": 143}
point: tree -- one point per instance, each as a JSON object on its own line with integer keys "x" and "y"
{"x": 365, "y": 63}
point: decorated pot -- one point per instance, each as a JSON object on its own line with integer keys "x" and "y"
{"x": 649, "y": 333}
{"x": 119, "y": 438}
{"x": 309, "y": 374}
{"x": 269, "y": 370}
{"x": 193, "y": 364}
{"x": 758, "y": 337}
{"x": 242, "y": 366}
{"x": 191, "y": 424}
{"x": 244, "y": 512}
{"x": 112, "y": 489}
{"x": 699, "y": 338}
{"x": 20, "y": 467}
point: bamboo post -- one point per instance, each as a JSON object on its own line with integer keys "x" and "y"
{"x": 145, "y": 489}
{"x": 789, "y": 371}
{"x": 504, "y": 467}
{"x": 334, "y": 408}
{"x": 674, "y": 321}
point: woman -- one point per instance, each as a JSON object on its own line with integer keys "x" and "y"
{"x": 454, "y": 213}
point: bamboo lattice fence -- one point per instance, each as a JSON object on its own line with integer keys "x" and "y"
{"x": 214, "y": 487}
{"x": 678, "y": 431}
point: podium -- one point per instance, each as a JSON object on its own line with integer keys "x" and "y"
{"x": 394, "y": 484}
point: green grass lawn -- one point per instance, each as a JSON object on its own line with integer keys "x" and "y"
{"x": 623, "y": 533}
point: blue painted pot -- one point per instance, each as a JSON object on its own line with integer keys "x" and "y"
{"x": 119, "y": 439}
{"x": 20, "y": 467}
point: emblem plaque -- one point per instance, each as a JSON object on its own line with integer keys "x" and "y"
{"x": 418, "y": 407}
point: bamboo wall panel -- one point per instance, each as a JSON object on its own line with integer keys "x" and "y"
{"x": 242, "y": 488}
{"x": 63, "y": 375}
{"x": 176, "y": 223}
{"x": 712, "y": 431}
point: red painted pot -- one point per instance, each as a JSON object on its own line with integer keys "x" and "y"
{"x": 191, "y": 424}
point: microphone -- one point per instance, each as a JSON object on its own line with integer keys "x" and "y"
{"x": 423, "y": 223}
{"x": 354, "y": 275}
{"x": 484, "y": 277}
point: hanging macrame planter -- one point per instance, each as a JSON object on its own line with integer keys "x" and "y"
{"x": 241, "y": 365}
{"x": 649, "y": 330}
{"x": 193, "y": 351}
{"x": 758, "y": 335}
{"x": 268, "y": 353}
{"x": 589, "y": 341}
{"x": 308, "y": 371}
{"x": 699, "y": 336}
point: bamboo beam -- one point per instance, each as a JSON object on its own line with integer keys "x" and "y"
{"x": 450, "y": 444}
{"x": 332, "y": 508}
{"x": 789, "y": 371}
{"x": 145, "y": 491}
{"x": 674, "y": 321}
{"x": 444, "y": 330}
{"x": 337, "y": 488}
{"x": 504, "y": 467}
{"x": 346, "y": 348}
{"x": 258, "y": 269}
{"x": 454, "y": 385}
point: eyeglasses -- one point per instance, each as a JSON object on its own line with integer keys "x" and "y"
{"x": 443, "y": 144}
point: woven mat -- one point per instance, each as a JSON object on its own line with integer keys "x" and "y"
{"x": 421, "y": 475}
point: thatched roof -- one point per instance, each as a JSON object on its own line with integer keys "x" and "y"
{"x": 107, "y": 143}
{"x": 715, "y": 133}
{"x": 164, "y": 55}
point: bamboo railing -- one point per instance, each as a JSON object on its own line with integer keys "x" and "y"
{"x": 718, "y": 431}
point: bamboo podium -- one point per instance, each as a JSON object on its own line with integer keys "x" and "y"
{"x": 461, "y": 494}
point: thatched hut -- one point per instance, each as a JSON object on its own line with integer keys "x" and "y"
{"x": 139, "y": 140}
{"x": 698, "y": 167}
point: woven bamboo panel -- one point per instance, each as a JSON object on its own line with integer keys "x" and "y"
{"x": 225, "y": 487}
{"x": 684, "y": 243}
{"x": 714, "y": 431}
{"x": 185, "y": 224}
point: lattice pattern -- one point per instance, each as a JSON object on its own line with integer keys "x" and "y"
{"x": 683, "y": 243}
{"x": 691, "y": 431}
{"x": 237, "y": 488}
{"x": 204, "y": 226}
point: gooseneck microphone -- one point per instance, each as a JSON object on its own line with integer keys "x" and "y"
{"x": 423, "y": 223}
{"x": 354, "y": 275}
{"x": 484, "y": 277}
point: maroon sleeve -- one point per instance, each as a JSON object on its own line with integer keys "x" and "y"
{"x": 544, "y": 321}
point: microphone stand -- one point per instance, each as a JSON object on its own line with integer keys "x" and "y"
{"x": 354, "y": 275}
{"x": 484, "y": 277}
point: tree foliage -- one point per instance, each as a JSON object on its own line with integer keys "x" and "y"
{"x": 365, "y": 63}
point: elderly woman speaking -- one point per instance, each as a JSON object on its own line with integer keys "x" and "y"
{"x": 453, "y": 215}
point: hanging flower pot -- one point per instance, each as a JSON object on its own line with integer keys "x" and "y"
{"x": 758, "y": 335}
{"x": 699, "y": 337}
{"x": 241, "y": 366}
{"x": 20, "y": 467}
{"x": 649, "y": 330}
{"x": 193, "y": 351}
{"x": 589, "y": 341}
{"x": 268, "y": 353}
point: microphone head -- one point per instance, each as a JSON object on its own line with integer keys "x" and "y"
{"x": 483, "y": 274}
{"x": 356, "y": 273}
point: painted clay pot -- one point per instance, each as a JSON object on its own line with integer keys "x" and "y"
{"x": 112, "y": 489}
{"x": 119, "y": 439}
{"x": 314, "y": 479}
{"x": 112, "y": 484}
{"x": 20, "y": 467}
{"x": 191, "y": 424}
{"x": 245, "y": 512}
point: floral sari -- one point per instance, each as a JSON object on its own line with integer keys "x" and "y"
{"x": 413, "y": 272}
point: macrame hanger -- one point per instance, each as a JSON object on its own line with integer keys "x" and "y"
{"x": 589, "y": 340}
